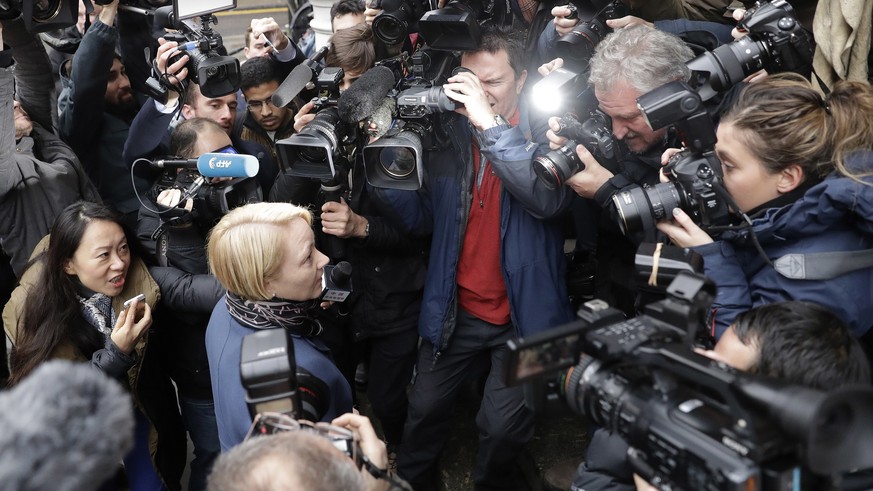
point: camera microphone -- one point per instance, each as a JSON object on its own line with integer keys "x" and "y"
{"x": 365, "y": 96}
{"x": 215, "y": 164}
{"x": 337, "y": 282}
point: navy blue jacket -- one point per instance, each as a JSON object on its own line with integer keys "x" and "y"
{"x": 834, "y": 215}
{"x": 223, "y": 346}
{"x": 532, "y": 259}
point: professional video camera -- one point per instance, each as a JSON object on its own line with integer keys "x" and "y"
{"x": 216, "y": 74}
{"x": 398, "y": 19}
{"x": 395, "y": 159}
{"x": 693, "y": 423}
{"x": 324, "y": 147}
{"x": 775, "y": 42}
{"x": 594, "y": 133}
{"x": 41, "y": 16}
{"x": 577, "y": 46}
{"x": 695, "y": 173}
{"x": 455, "y": 27}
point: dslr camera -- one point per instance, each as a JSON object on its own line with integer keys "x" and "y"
{"x": 695, "y": 173}
{"x": 775, "y": 41}
{"x": 594, "y": 133}
{"x": 283, "y": 396}
{"x": 577, "y": 46}
{"x": 279, "y": 393}
{"x": 693, "y": 423}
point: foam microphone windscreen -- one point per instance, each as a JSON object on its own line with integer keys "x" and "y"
{"x": 65, "y": 427}
{"x": 292, "y": 85}
{"x": 362, "y": 99}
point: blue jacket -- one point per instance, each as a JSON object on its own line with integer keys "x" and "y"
{"x": 834, "y": 215}
{"x": 532, "y": 259}
{"x": 223, "y": 345}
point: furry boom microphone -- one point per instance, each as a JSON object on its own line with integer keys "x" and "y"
{"x": 365, "y": 96}
{"x": 65, "y": 427}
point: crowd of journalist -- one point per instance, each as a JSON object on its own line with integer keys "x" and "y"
{"x": 656, "y": 213}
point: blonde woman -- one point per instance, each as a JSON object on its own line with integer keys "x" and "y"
{"x": 264, "y": 255}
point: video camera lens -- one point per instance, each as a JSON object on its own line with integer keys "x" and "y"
{"x": 311, "y": 152}
{"x": 554, "y": 168}
{"x": 397, "y": 20}
{"x": 45, "y": 10}
{"x": 640, "y": 208}
{"x": 389, "y": 29}
{"x": 395, "y": 161}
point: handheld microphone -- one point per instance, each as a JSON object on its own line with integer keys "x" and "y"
{"x": 66, "y": 426}
{"x": 336, "y": 282}
{"x": 215, "y": 164}
{"x": 362, "y": 99}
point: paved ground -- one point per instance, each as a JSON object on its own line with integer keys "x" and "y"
{"x": 560, "y": 439}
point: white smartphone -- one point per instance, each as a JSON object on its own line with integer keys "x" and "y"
{"x": 138, "y": 298}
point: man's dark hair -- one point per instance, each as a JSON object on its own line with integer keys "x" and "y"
{"x": 804, "y": 344}
{"x": 184, "y": 137}
{"x": 344, "y": 7}
{"x": 257, "y": 71}
{"x": 509, "y": 39}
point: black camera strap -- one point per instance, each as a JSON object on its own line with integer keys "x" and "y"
{"x": 395, "y": 483}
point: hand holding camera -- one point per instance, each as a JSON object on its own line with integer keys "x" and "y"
{"x": 176, "y": 71}
{"x": 339, "y": 220}
{"x": 566, "y": 19}
{"x": 371, "y": 446}
{"x": 304, "y": 116}
{"x": 682, "y": 230}
{"x": 591, "y": 177}
{"x": 571, "y": 161}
